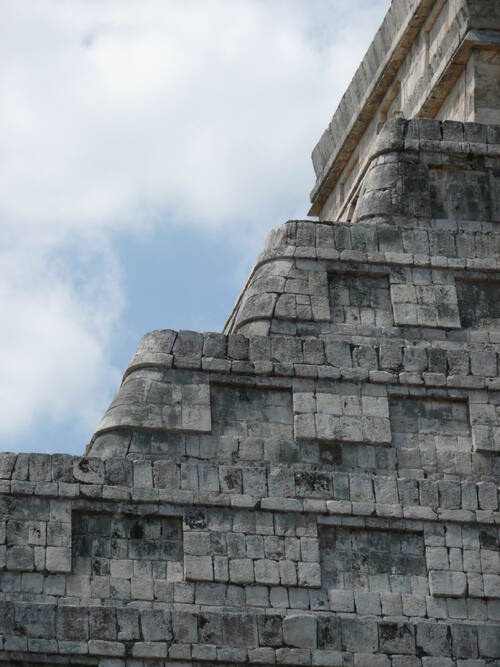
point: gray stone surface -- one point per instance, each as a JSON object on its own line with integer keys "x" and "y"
{"x": 318, "y": 485}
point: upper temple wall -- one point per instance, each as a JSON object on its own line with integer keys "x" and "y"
{"x": 430, "y": 58}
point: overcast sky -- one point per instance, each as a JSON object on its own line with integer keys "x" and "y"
{"x": 146, "y": 149}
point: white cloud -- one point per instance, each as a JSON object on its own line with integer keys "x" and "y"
{"x": 122, "y": 115}
{"x": 53, "y": 335}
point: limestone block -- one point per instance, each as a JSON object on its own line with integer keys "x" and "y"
{"x": 185, "y": 627}
{"x": 267, "y": 572}
{"x": 357, "y": 633}
{"x": 338, "y": 354}
{"x": 386, "y": 491}
{"x": 437, "y": 558}
{"x": 488, "y": 641}
{"x": 300, "y": 631}
{"x": 261, "y": 656}
{"x": 397, "y": 638}
{"x": 240, "y": 630}
{"x": 256, "y": 307}
{"x": 150, "y": 650}
{"x": 88, "y": 471}
{"x": 288, "y": 573}
{"x": 241, "y": 570}
{"x": 341, "y": 601}
{"x": 156, "y": 625}
{"x": 309, "y": 575}
{"x": 237, "y": 347}
{"x": 188, "y": 344}
{"x": 405, "y": 314}
{"x": 376, "y": 430}
{"x": 40, "y": 468}
{"x": 270, "y": 630}
{"x": 286, "y": 307}
{"x": 304, "y": 402}
{"x": 72, "y": 623}
{"x": 281, "y": 482}
{"x": 483, "y": 363}
{"x": 328, "y": 404}
{"x": 367, "y": 604}
{"x": 433, "y": 639}
{"x": 104, "y": 647}
{"x": 214, "y": 345}
{"x": 36, "y": 620}
{"x": 447, "y": 584}
{"x": 437, "y": 662}
{"x": 20, "y": 558}
{"x": 487, "y": 495}
{"x": 486, "y": 438}
{"x": 333, "y": 428}
{"x": 198, "y": 568}
{"x": 490, "y": 560}
{"x": 365, "y": 356}
{"x": 7, "y": 463}
{"x": 320, "y": 306}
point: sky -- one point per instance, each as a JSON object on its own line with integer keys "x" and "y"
{"x": 147, "y": 147}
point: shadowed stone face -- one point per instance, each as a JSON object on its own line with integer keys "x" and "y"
{"x": 479, "y": 304}
{"x": 112, "y": 554}
{"x": 360, "y": 299}
{"x": 248, "y": 412}
{"x": 376, "y": 561}
{"x": 460, "y": 195}
{"x": 431, "y": 435}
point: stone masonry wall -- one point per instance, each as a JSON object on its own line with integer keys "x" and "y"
{"x": 108, "y": 558}
{"x": 319, "y": 485}
{"x": 425, "y": 220}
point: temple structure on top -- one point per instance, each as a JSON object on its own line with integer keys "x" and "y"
{"x": 429, "y": 59}
{"x": 318, "y": 484}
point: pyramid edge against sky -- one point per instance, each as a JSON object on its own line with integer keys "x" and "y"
{"x": 319, "y": 484}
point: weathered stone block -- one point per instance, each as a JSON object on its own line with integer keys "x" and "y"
{"x": 447, "y": 584}
{"x": 198, "y": 568}
{"x": 397, "y": 638}
{"x": 300, "y": 631}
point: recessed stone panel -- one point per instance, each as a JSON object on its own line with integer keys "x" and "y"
{"x": 431, "y": 435}
{"x": 338, "y": 416}
{"x": 470, "y": 566}
{"x": 125, "y": 557}
{"x": 360, "y": 298}
{"x": 460, "y": 194}
{"x": 479, "y": 303}
{"x": 359, "y": 559}
{"x": 251, "y": 412}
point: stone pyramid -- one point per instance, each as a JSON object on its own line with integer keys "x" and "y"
{"x": 317, "y": 485}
